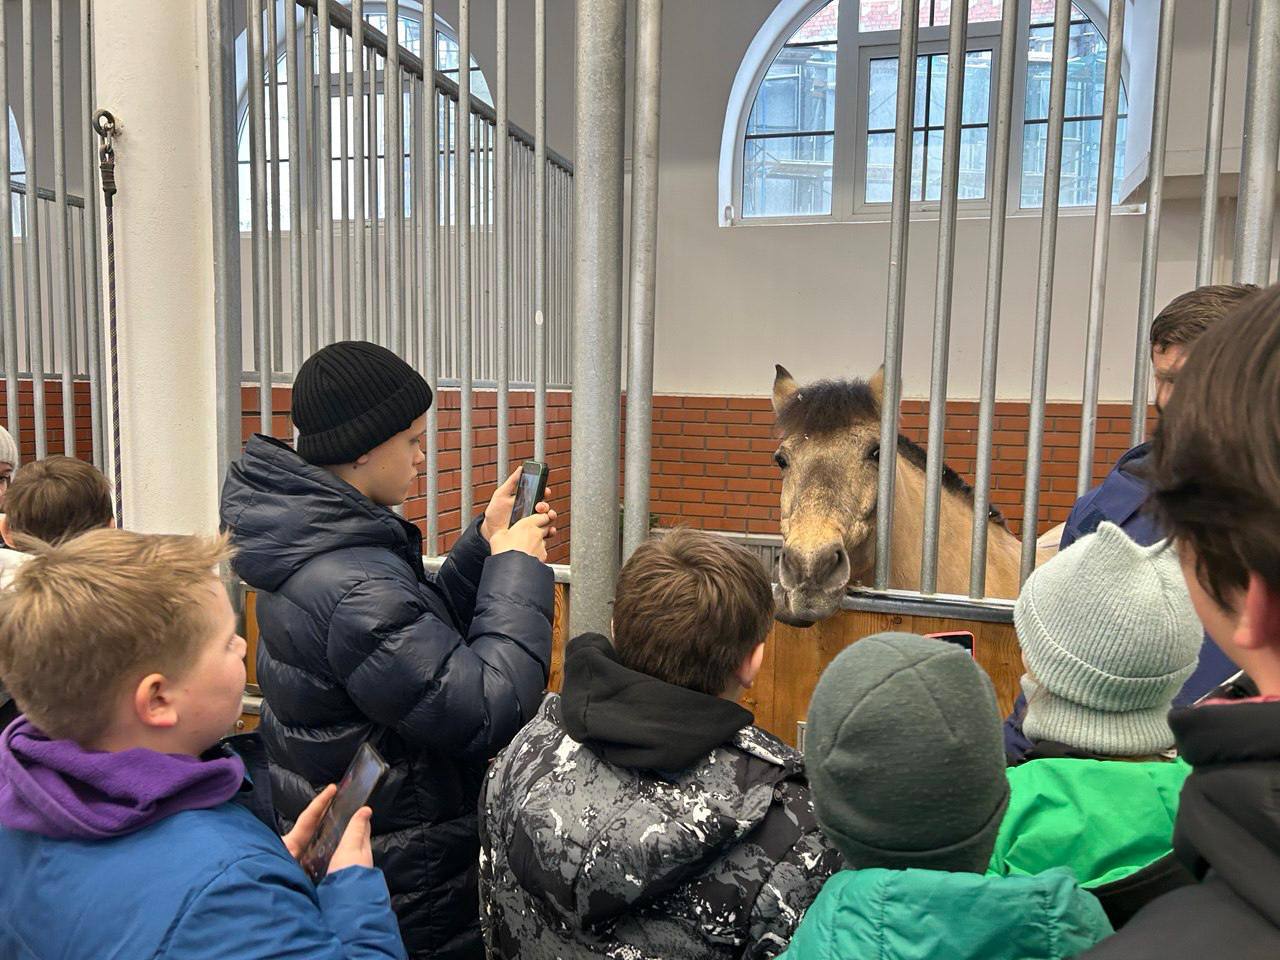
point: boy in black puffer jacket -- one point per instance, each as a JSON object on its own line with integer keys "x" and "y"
{"x": 358, "y": 643}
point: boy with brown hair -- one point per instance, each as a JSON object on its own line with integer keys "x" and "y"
{"x": 120, "y": 814}
{"x": 641, "y": 813}
{"x": 1216, "y": 490}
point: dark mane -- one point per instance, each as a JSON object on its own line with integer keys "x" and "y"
{"x": 831, "y": 406}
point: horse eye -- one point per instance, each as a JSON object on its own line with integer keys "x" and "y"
{"x": 781, "y": 460}
{"x": 874, "y": 453}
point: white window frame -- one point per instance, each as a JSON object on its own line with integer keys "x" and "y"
{"x": 854, "y": 53}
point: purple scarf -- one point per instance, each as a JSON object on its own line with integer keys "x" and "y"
{"x": 58, "y": 789}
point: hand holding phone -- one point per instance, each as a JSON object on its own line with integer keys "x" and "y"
{"x": 332, "y": 840}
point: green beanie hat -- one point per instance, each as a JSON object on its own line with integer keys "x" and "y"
{"x": 905, "y": 756}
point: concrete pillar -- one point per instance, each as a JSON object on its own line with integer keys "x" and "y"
{"x": 152, "y": 72}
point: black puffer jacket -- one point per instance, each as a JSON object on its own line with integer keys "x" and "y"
{"x": 358, "y": 643}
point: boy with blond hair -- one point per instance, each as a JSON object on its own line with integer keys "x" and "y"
{"x": 121, "y": 816}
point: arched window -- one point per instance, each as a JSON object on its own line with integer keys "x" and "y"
{"x": 411, "y": 39}
{"x": 810, "y": 127}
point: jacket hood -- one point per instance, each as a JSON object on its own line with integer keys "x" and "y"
{"x": 283, "y": 511}
{"x": 635, "y": 720}
{"x": 593, "y": 841}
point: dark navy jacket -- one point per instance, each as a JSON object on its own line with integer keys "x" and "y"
{"x": 358, "y": 643}
{"x": 1119, "y": 499}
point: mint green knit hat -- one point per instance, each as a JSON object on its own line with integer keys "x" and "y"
{"x": 1109, "y": 637}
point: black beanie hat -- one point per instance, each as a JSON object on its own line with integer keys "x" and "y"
{"x": 352, "y": 396}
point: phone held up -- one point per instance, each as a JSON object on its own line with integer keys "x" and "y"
{"x": 532, "y": 488}
{"x": 362, "y": 778}
{"x": 961, "y": 638}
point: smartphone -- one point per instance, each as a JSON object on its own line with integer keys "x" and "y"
{"x": 961, "y": 638}
{"x": 362, "y": 778}
{"x": 531, "y": 490}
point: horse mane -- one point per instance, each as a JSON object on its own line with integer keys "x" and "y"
{"x": 832, "y": 406}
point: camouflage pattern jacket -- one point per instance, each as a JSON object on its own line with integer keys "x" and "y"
{"x": 581, "y": 857}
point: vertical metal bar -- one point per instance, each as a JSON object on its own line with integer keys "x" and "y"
{"x": 644, "y": 269}
{"x": 431, "y": 312}
{"x": 359, "y": 304}
{"x": 275, "y": 237}
{"x": 448, "y": 204}
{"x": 900, "y": 221}
{"x": 502, "y": 238}
{"x": 995, "y": 282}
{"x": 8, "y": 274}
{"x": 31, "y": 236}
{"x": 375, "y": 275}
{"x": 1155, "y": 198}
{"x": 311, "y": 182}
{"x": 412, "y": 274}
{"x": 1213, "y": 141}
{"x": 599, "y": 108}
{"x": 540, "y": 227}
{"x": 293, "y": 95}
{"x": 393, "y": 100}
{"x": 92, "y": 310}
{"x": 225, "y": 175}
{"x": 61, "y": 278}
{"x": 463, "y": 174}
{"x": 324, "y": 157}
{"x": 1044, "y": 284}
{"x": 1255, "y": 214}
{"x": 344, "y": 189}
{"x": 1101, "y": 241}
{"x": 482, "y": 244}
{"x": 258, "y": 207}
{"x": 957, "y": 39}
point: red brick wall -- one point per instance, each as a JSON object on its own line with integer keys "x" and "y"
{"x": 53, "y": 418}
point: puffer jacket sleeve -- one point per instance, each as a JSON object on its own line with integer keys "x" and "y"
{"x": 407, "y": 669}
{"x": 793, "y": 884}
{"x": 460, "y": 575}
{"x": 264, "y": 906}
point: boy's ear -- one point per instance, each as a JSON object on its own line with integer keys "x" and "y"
{"x": 1259, "y": 624}
{"x": 749, "y": 669}
{"x": 153, "y": 704}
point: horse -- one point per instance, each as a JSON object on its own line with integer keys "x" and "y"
{"x": 830, "y": 457}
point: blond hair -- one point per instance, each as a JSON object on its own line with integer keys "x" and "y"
{"x": 83, "y": 619}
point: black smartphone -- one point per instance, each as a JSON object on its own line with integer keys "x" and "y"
{"x": 363, "y": 776}
{"x": 531, "y": 490}
{"x": 961, "y": 638}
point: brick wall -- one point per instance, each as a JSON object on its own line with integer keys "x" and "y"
{"x": 53, "y": 418}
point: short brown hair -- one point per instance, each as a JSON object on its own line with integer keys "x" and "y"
{"x": 58, "y": 498}
{"x": 1189, "y": 315}
{"x": 1216, "y": 453}
{"x": 83, "y": 619}
{"x": 689, "y": 606}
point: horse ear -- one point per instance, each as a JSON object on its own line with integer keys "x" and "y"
{"x": 784, "y": 387}
{"x": 876, "y": 383}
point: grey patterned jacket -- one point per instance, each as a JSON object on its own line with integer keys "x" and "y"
{"x": 584, "y": 858}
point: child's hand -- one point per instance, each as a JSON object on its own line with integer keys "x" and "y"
{"x": 529, "y": 536}
{"x": 308, "y": 822}
{"x": 355, "y": 848}
{"x": 498, "y": 513}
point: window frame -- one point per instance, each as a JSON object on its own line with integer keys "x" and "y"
{"x": 853, "y": 57}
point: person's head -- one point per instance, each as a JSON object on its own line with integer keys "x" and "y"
{"x": 360, "y": 412}
{"x": 905, "y": 756}
{"x": 1109, "y": 637}
{"x": 1215, "y": 484}
{"x": 8, "y": 461}
{"x": 1181, "y": 323}
{"x": 56, "y": 499}
{"x": 693, "y": 609}
{"x": 117, "y": 640}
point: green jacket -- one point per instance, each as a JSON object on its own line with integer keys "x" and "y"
{"x": 876, "y": 914}
{"x": 1103, "y": 819}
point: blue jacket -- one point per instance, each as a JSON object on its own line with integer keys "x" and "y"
{"x": 357, "y": 643}
{"x": 196, "y": 885}
{"x": 1120, "y": 499}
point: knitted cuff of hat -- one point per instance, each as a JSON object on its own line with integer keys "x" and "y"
{"x": 1132, "y": 733}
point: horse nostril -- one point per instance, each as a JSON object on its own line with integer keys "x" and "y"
{"x": 828, "y": 564}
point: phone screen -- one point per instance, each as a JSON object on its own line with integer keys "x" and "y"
{"x": 961, "y": 638}
{"x": 358, "y": 783}
{"x": 528, "y": 492}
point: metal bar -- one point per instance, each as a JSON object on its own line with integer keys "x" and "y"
{"x": 900, "y": 221}
{"x": 1155, "y": 197}
{"x": 61, "y": 278}
{"x": 275, "y": 238}
{"x": 502, "y": 231}
{"x": 995, "y": 283}
{"x": 948, "y": 200}
{"x": 258, "y": 212}
{"x": 463, "y": 174}
{"x": 375, "y": 275}
{"x": 431, "y": 308}
{"x": 412, "y": 272}
{"x": 92, "y": 307}
{"x": 393, "y": 102}
{"x": 294, "y": 98}
{"x": 540, "y": 226}
{"x": 1101, "y": 242}
{"x": 482, "y": 226}
{"x": 344, "y": 187}
{"x": 225, "y": 176}
{"x": 448, "y": 303}
{"x": 1213, "y": 141}
{"x": 8, "y": 272}
{"x": 1044, "y": 283}
{"x": 310, "y": 183}
{"x": 1255, "y": 213}
{"x": 599, "y": 108}
{"x": 31, "y": 235}
{"x": 324, "y": 158}
{"x": 359, "y": 306}
{"x": 644, "y": 269}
